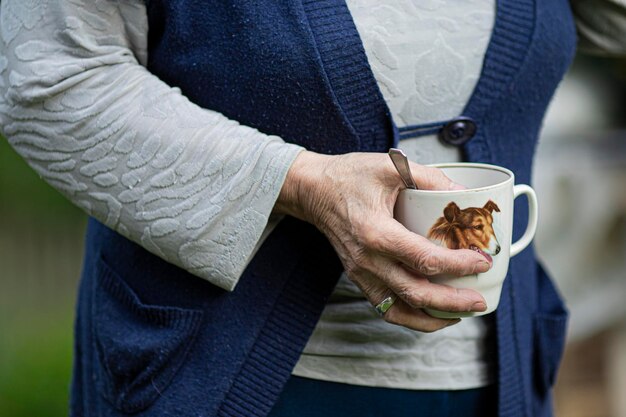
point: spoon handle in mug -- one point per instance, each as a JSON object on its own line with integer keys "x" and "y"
{"x": 401, "y": 162}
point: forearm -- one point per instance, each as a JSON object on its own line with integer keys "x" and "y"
{"x": 186, "y": 183}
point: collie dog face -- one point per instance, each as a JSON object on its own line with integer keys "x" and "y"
{"x": 470, "y": 228}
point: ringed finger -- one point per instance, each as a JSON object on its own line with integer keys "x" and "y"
{"x": 418, "y": 292}
{"x": 404, "y": 315}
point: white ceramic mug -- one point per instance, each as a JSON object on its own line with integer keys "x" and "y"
{"x": 479, "y": 218}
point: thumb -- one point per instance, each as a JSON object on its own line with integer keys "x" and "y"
{"x": 431, "y": 178}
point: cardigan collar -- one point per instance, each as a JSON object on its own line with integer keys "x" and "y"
{"x": 348, "y": 71}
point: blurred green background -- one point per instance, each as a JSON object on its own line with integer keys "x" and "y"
{"x": 40, "y": 255}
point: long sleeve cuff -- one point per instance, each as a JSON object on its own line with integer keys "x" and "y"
{"x": 186, "y": 183}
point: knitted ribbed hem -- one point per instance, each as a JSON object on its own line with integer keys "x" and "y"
{"x": 507, "y": 50}
{"x": 280, "y": 341}
{"x": 348, "y": 71}
{"x": 511, "y": 395}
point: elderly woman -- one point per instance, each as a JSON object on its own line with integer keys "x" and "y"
{"x": 231, "y": 155}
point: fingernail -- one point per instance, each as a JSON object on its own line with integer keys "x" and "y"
{"x": 455, "y": 187}
{"x": 483, "y": 266}
{"x": 453, "y": 322}
{"x": 479, "y": 306}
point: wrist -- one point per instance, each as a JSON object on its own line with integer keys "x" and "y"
{"x": 300, "y": 187}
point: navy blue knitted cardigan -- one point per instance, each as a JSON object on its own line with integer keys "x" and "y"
{"x": 152, "y": 340}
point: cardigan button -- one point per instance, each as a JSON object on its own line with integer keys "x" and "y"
{"x": 458, "y": 131}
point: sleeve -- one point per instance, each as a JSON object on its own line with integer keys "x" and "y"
{"x": 601, "y": 26}
{"x": 186, "y": 183}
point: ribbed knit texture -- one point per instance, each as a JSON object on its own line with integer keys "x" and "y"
{"x": 278, "y": 345}
{"x": 349, "y": 73}
{"x": 506, "y": 52}
{"x": 505, "y": 55}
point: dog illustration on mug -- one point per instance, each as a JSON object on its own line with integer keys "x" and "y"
{"x": 469, "y": 228}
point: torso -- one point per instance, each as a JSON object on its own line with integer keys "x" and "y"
{"x": 426, "y": 59}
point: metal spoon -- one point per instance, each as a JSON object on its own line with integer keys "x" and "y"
{"x": 400, "y": 161}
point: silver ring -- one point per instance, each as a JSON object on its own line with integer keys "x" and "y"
{"x": 384, "y": 306}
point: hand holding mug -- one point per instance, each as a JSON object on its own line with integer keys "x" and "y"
{"x": 351, "y": 199}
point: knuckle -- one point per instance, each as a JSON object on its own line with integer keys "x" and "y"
{"x": 415, "y": 297}
{"x": 368, "y": 236}
{"x": 371, "y": 240}
{"x": 464, "y": 264}
{"x": 423, "y": 298}
{"x": 385, "y": 271}
{"x": 405, "y": 293}
{"x": 429, "y": 263}
{"x": 404, "y": 249}
{"x": 459, "y": 266}
{"x": 355, "y": 267}
{"x": 388, "y": 243}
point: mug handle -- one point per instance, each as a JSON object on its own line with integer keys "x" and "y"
{"x": 521, "y": 244}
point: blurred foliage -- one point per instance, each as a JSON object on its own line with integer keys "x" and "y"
{"x": 35, "y": 323}
{"x": 35, "y": 364}
{"x": 23, "y": 191}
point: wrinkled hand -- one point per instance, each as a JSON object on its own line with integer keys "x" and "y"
{"x": 350, "y": 198}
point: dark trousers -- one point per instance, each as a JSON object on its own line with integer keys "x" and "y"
{"x": 305, "y": 397}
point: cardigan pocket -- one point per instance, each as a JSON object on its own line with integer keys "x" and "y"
{"x": 138, "y": 347}
{"x": 550, "y": 328}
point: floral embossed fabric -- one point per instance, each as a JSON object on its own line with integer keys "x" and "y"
{"x": 186, "y": 183}
{"x": 425, "y": 55}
